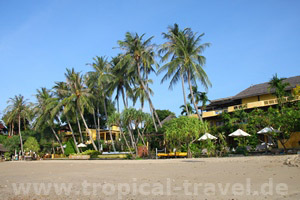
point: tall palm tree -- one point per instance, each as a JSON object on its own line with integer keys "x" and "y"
{"x": 81, "y": 96}
{"x": 45, "y": 104}
{"x": 121, "y": 80}
{"x": 140, "y": 53}
{"x": 101, "y": 76}
{"x": 18, "y": 108}
{"x": 187, "y": 60}
{"x": 174, "y": 67}
{"x": 68, "y": 110}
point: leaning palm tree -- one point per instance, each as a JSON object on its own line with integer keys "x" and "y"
{"x": 45, "y": 104}
{"x": 18, "y": 108}
{"x": 140, "y": 54}
{"x": 66, "y": 110}
{"x": 81, "y": 96}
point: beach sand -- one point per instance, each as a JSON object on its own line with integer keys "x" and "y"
{"x": 259, "y": 177}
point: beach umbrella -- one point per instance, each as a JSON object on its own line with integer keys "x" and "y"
{"x": 239, "y": 133}
{"x": 81, "y": 145}
{"x": 268, "y": 129}
{"x": 207, "y": 136}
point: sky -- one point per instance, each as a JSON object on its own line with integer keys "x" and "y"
{"x": 251, "y": 40}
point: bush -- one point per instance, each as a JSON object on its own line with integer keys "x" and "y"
{"x": 70, "y": 148}
{"x": 31, "y": 144}
{"x": 92, "y": 153}
{"x": 7, "y": 156}
{"x": 241, "y": 150}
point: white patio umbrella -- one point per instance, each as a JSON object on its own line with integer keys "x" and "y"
{"x": 81, "y": 145}
{"x": 239, "y": 133}
{"x": 207, "y": 136}
{"x": 268, "y": 129}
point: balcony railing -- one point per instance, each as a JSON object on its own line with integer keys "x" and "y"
{"x": 255, "y": 104}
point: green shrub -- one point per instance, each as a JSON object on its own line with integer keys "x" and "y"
{"x": 129, "y": 156}
{"x": 92, "y": 153}
{"x": 241, "y": 150}
{"x": 31, "y": 144}
{"x": 7, "y": 156}
{"x": 70, "y": 148}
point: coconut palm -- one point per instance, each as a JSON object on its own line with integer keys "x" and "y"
{"x": 187, "y": 60}
{"x": 140, "y": 54}
{"x": 101, "y": 76}
{"x": 17, "y": 110}
{"x": 81, "y": 96}
{"x": 139, "y": 93}
{"x": 199, "y": 97}
{"x": 45, "y": 104}
{"x": 115, "y": 119}
{"x": 121, "y": 80}
{"x": 174, "y": 67}
{"x": 187, "y": 112}
{"x": 279, "y": 86}
{"x": 67, "y": 110}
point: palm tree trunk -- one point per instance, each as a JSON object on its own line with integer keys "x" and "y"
{"x": 132, "y": 138}
{"x": 123, "y": 96}
{"x": 118, "y": 105}
{"x": 184, "y": 95}
{"x": 79, "y": 128}
{"x": 89, "y": 131}
{"x": 74, "y": 139}
{"x": 98, "y": 127}
{"x": 148, "y": 96}
{"x": 126, "y": 142}
{"x": 97, "y": 130}
{"x": 109, "y": 128}
{"x": 141, "y": 137}
{"x": 192, "y": 95}
{"x": 153, "y": 119}
{"x": 57, "y": 138}
{"x": 21, "y": 141}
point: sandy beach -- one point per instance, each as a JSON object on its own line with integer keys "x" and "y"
{"x": 261, "y": 177}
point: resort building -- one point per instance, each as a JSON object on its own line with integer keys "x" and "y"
{"x": 104, "y": 134}
{"x": 255, "y": 96}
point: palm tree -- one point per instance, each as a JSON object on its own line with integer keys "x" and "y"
{"x": 81, "y": 96}
{"x": 68, "y": 110}
{"x": 139, "y": 93}
{"x": 140, "y": 54}
{"x": 121, "y": 80}
{"x": 279, "y": 86}
{"x": 174, "y": 67}
{"x": 187, "y": 112}
{"x": 199, "y": 97}
{"x": 101, "y": 77}
{"x": 187, "y": 61}
{"x": 115, "y": 119}
{"x": 18, "y": 109}
{"x": 45, "y": 104}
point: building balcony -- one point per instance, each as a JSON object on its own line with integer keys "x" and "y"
{"x": 252, "y": 105}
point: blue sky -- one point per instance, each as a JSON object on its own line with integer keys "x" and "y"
{"x": 251, "y": 40}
